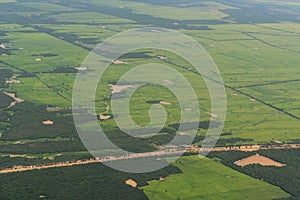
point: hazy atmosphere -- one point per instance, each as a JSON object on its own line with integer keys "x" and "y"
{"x": 148, "y": 99}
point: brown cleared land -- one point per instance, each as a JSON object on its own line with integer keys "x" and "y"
{"x": 258, "y": 159}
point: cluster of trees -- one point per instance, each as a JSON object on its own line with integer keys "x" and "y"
{"x": 72, "y": 145}
{"x": 4, "y": 75}
{"x": 9, "y": 162}
{"x": 27, "y": 123}
{"x": 93, "y": 181}
{"x": 5, "y": 100}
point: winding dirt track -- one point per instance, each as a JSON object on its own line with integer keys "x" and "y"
{"x": 171, "y": 152}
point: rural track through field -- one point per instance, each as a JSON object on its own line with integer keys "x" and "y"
{"x": 35, "y": 76}
{"x": 171, "y": 152}
{"x": 227, "y": 86}
{"x": 270, "y": 83}
{"x": 269, "y": 44}
{"x": 239, "y": 91}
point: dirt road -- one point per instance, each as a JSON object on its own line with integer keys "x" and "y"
{"x": 170, "y": 152}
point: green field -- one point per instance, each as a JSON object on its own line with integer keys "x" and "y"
{"x": 208, "y": 179}
{"x": 254, "y": 43}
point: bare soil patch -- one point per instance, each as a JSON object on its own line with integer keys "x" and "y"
{"x": 119, "y": 88}
{"x": 119, "y": 62}
{"x": 165, "y": 103}
{"x": 105, "y": 117}
{"x": 48, "y": 122}
{"x": 258, "y": 159}
{"x": 2, "y": 46}
{"x": 13, "y": 95}
{"x": 12, "y": 81}
{"x": 131, "y": 182}
{"x": 81, "y": 68}
{"x": 162, "y": 57}
{"x": 16, "y": 99}
{"x": 167, "y": 82}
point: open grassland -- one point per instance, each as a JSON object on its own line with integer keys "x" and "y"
{"x": 285, "y": 95}
{"x": 254, "y": 44}
{"x": 33, "y": 51}
{"x": 35, "y": 90}
{"x": 206, "y": 11}
{"x": 209, "y": 179}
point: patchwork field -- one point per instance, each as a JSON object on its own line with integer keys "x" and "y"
{"x": 209, "y": 179}
{"x": 255, "y": 45}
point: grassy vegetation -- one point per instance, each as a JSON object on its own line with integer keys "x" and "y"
{"x": 208, "y": 179}
{"x": 285, "y": 177}
{"x": 254, "y": 44}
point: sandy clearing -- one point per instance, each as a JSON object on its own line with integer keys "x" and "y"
{"x": 212, "y": 115}
{"x": 167, "y": 82}
{"x": 258, "y": 159}
{"x": 12, "y": 81}
{"x": 119, "y": 62}
{"x": 18, "y": 142}
{"x": 162, "y": 57}
{"x": 101, "y": 26}
{"x": 2, "y": 46}
{"x": 119, "y": 88}
{"x": 13, "y": 95}
{"x": 105, "y": 117}
{"x": 131, "y": 182}
{"x": 16, "y": 99}
{"x": 21, "y": 156}
{"x": 48, "y": 122}
{"x": 165, "y": 103}
{"x": 81, "y": 68}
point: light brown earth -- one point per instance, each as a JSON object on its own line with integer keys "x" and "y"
{"x": 48, "y": 122}
{"x": 2, "y": 46}
{"x": 212, "y": 115}
{"x": 119, "y": 88}
{"x": 162, "y": 57}
{"x": 131, "y": 182}
{"x": 119, "y": 62}
{"x": 165, "y": 103}
{"x": 81, "y": 68}
{"x": 16, "y": 99}
{"x": 167, "y": 82}
{"x": 258, "y": 159}
{"x": 12, "y": 81}
{"x": 104, "y": 117}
